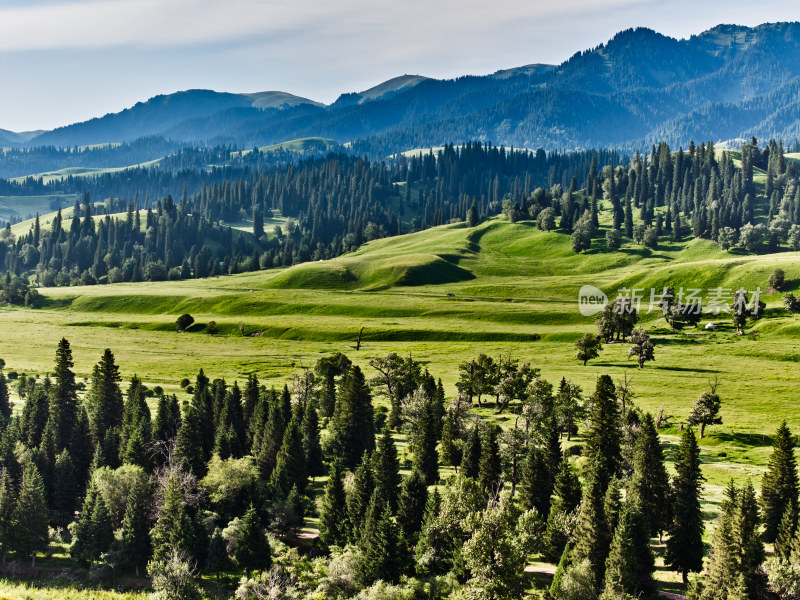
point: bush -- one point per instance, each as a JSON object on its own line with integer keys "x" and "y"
{"x": 650, "y": 238}
{"x": 185, "y": 382}
{"x": 613, "y": 239}
{"x": 777, "y": 279}
{"x": 174, "y": 578}
{"x": 790, "y": 303}
{"x": 212, "y": 328}
{"x": 184, "y": 322}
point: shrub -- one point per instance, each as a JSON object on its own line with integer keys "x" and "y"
{"x": 184, "y": 322}
{"x": 777, "y": 279}
{"x": 174, "y": 578}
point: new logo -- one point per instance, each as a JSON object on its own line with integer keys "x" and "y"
{"x": 591, "y": 300}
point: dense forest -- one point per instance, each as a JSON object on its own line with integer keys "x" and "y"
{"x": 224, "y": 480}
{"x": 331, "y": 204}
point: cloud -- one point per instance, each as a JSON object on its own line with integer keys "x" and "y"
{"x": 160, "y": 23}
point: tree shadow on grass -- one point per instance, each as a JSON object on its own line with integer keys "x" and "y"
{"x": 686, "y": 369}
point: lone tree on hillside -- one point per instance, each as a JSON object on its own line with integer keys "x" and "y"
{"x": 706, "y": 409}
{"x": 777, "y": 279}
{"x": 642, "y": 346}
{"x": 588, "y": 347}
{"x": 184, "y": 322}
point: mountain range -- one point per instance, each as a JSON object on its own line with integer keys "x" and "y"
{"x": 726, "y": 83}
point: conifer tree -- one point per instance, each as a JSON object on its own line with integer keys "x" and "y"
{"x": 383, "y": 551}
{"x": 685, "y": 544}
{"x": 136, "y": 526}
{"x": 630, "y": 562}
{"x": 5, "y": 401}
{"x": 188, "y": 448}
{"x": 386, "y": 468}
{"x": 252, "y": 548}
{"x": 471, "y": 464}
{"x": 592, "y": 536}
{"x": 536, "y": 485}
{"x": 105, "y": 406}
{"x": 411, "y": 505}
{"x": 174, "y": 529}
{"x": 30, "y": 520}
{"x": 8, "y": 502}
{"x": 352, "y": 429}
{"x": 650, "y": 482}
{"x": 81, "y": 450}
{"x": 311, "y": 442}
{"x": 426, "y": 458}
{"x": 491, "y": 468}
{"x": 290, "y": 464}
{"x": 333, "y": 516}
{"x": 65, "y": 487}
{"x": 779, "y": 486}
{"x": 63, "y": 396}
{"x": 359, "y": 497}
{"x": 451, "y": 453}
{"x": 602, "y": 446}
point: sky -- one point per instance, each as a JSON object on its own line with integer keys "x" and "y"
{"x": 64, "y": 61}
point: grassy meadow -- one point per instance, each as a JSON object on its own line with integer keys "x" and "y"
{"x": 445, "y": 295}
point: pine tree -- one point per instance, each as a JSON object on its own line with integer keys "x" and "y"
{"x": 30, "y": 520}
{"x": 592, "y": 536}
{"x": 386, "y": 468}
{"x": 8, "y": 502}
{"x": 602, "y": 446}
{"x": 685, "y": 544}
{"x": 333, "y": 517}
{"x": 105, "y": 406}
{"x": 252, "y": 548}
{"x": 383, "y": 552}
{"x": 472, "y": 213}
{"x": 471, "y": 464}
{"x": 359, "y": 497}
{"x": 352, "y": 429}
{"x": 426, "y": 458}
{"x": 290, "y": 464}
{"x": 188, "y": 449}
{"x": 136, "y": 526}
{"x": 411, "y": 505}
{"x": 451, "y": 453}
{"x": 779, "y": 486}
{"x": 65, "y": 487}
{"x": 5, "y": 401}
{"x": 650, "y": 482}
{"x": 491, "y": 468}
{"x": 63, "y": 396}
{"x": 311, "y": 444}
{"x": 536, "y": 485}
{"x": 174, "y": 529}
{"x": 630, "y": 562}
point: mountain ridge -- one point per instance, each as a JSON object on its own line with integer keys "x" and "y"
{"x": 639, "y": 86}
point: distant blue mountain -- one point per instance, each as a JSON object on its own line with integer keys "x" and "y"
{"x": 728, "y": 82}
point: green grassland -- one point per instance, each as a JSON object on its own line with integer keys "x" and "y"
{"x": 60, "y": 174}
{"x": 445, "y": 295}
{"x": 24, "y": 207}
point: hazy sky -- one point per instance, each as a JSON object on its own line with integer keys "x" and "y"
{"x": 63, "y": 61}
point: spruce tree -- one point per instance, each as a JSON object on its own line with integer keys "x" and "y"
{"x": 252, "y": 548}
{"x": 411, "y": 505}
{"x": 426, "y": 458}
{"x": 536, "y": 485}
{"x": 65, "y": 488}
{"x": 359, "y": 497}
{"x": 685, "y": 544}
{"x": 333, "y": 516}
{"x": 5, "y": 401}
{"x": 386, "y": 468}
{"x": 383, "y": 551}
{"x": 650, "y": 482}
{"x": 174, "y": 529}
{"x": 105, "y": 406}
{"x": 311, "y": 442}
{"x": 352, "y": 429}
{"x": 188, "y": 449}
{"x": 491, "y": 468}
{"x": 592, "y": 535}
{"x": 630, "y": 562}
{"x": 602, "y": 446}
{"x": 471, "y": 464}
{"x": 63, "y": 395}
{"x": 136, "y": 526}
{"x": 779, "y": 486}
{"x": 30, "y": 520}
{"x": 8, "y": 502}
{"x": 290, "y": 464}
